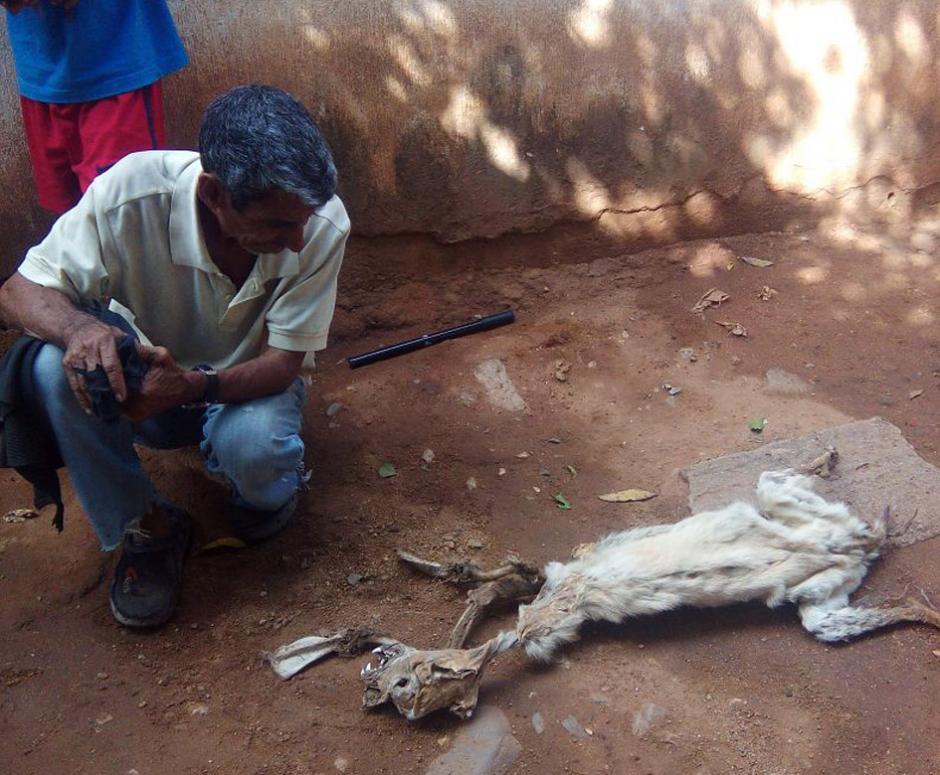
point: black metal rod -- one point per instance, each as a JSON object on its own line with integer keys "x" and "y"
{"x": 410, "y": 345}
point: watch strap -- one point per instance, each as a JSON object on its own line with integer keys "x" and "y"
{"x": 210, "y": 395}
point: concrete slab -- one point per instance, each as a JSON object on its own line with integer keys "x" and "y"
{"x": 877, "y": 467}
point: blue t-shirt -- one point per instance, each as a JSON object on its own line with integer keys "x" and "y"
{"x": 98, "y": 49}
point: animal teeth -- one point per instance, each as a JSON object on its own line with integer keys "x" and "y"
{"x": 377, "y": 650}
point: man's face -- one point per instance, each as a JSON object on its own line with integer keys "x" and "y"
{"x": 267, "y": 225}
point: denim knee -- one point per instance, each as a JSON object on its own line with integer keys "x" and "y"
{"x": 264, "y": 473}
{"x": 257, "y": 447}
{"x": 49, "y": 376}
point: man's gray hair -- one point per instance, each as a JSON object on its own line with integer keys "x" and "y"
{"x": 258, "y": 139}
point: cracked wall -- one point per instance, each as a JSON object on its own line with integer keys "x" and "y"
{"x": 650, "y": 122}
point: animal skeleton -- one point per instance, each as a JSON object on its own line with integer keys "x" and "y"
{"x": 794, "y": 547}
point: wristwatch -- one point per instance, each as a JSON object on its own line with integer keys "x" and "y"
{"x": 211, "y": 394}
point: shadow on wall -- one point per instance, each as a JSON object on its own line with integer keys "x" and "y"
{"x": 653, "y": 121}
{"x": 645, "y": 122}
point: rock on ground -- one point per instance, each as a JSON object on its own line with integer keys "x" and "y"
{"x": 485, "y": 746}
{"x": 877, "y": 468}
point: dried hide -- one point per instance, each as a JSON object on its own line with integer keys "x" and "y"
{"x": 419, "y": 682}
{"x": 794, "y": 547}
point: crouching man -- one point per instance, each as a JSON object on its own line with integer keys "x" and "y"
{"x": 227, "y": 260}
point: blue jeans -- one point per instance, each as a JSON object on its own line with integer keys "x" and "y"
{"x": 255, "y": 445}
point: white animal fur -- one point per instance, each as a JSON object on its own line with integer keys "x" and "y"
{"x": 795, "y": 547}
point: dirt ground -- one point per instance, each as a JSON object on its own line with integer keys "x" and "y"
{"x": 743, "y": 689}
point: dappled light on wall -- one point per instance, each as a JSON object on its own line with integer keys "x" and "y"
{"x": 588, "y": 24}
{"x": 466, "y": 117}
{"x": 821, "y": 44}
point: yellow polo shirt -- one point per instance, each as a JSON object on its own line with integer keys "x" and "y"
{"x": 135, "y": 238}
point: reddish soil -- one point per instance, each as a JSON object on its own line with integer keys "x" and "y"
{"x": 742, "y": 690}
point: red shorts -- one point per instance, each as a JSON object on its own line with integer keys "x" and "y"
{"x": 70, "y": 144}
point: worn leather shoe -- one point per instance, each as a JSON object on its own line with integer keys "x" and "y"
{"x": 149, "y": 575}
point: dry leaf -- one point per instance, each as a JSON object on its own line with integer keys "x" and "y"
{"x": 20, "y": 515}
{"x": 758, "y": 262}
{"x": 627, "y": 496}
{"x": 766, "y": 293}
{"x": 711, "y": 298}
{"x": 226, "y": 542}
{"x": 736, "y": 329}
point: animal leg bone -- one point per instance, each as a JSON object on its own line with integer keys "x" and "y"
{"x": 837, "y": 624}
{"x": 822, "y": 466}
{"x": 514, "y": 582}
{"x": 514, "y": 588}
{"x": 466, "y": 572}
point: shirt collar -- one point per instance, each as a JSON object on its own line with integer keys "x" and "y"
{"x": 187, "y": 246}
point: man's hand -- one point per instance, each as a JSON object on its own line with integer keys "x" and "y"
{"x": 15, "y": 6}
{"x": 89, "y": 343}
{"x": 165, "y": 385}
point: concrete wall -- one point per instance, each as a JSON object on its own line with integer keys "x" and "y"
{"x": 652, "y": 120}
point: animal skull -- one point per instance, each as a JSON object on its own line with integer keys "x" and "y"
{"x": 419, "y": 682}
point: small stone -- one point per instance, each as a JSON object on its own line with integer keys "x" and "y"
{"x": 475, "y": 543}
{"x": 355, "y": 579}
{"x": 735, "y": 360}
{"x": 471, "y": 483}
{"x": 574, "y": 728}
{"x": 443, "y": 741}
{"x": 501, "y": 472}
{"x": 561, "y": 370}
{"x": 341, "y": 763}
{"x": 142, "y": 704}
{"x": 428, "y": 456}
{"x": 538, "y": 723}
{"x": 646, "y": 717}
{"x": 592, "y": 364}
{"x": 333, "y": 409}
{"x": 198, "y": 709}
{"x": 103, "y": 719}
{"x": 522, "y": 455}
{"x": 688, "y": 354}
{"x": 484, "y": 746}
{"x": 102, "y": 676}
{"x": 914, "y": 394}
